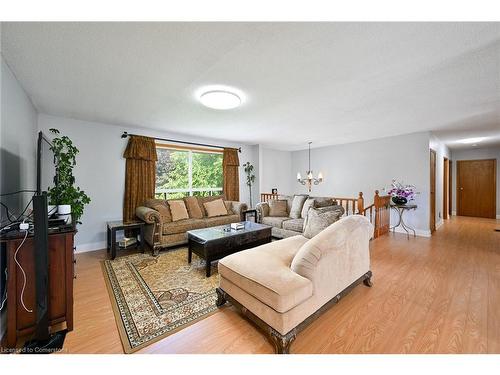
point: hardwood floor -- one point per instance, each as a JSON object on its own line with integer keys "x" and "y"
{"x": 430, "y": 295}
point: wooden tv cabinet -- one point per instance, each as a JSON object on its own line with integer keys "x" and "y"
{"x": 21, "y": 323}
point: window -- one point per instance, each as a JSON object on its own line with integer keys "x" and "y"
{"x": 184, "y": 172}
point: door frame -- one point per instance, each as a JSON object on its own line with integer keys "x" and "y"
{"x": 459, "y": 196}
{"x": 446, "y": 190}
{"x": 432, "y": 196}
{"x": 450, "y": 189}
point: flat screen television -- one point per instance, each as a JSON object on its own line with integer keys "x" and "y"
{"x": 45, "y": 177}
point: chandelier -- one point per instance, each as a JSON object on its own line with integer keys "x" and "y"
{"x": 309, "y": 180}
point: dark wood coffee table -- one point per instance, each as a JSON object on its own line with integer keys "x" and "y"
{"x": 217, "y": 242}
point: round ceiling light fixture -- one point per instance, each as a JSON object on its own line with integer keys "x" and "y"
{"x": 220, "y": 99}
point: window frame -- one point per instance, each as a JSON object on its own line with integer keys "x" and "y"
{"x": 190, "y": 190}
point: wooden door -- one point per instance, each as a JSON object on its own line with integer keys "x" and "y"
{"x": 432, "y": 191}
{"x": 476, "y": 188}
{"x": 446, "y": 178}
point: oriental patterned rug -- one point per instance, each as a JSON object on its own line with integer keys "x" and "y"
{"x": 153, "y": 297}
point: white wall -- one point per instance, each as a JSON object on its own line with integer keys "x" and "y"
{"x": 371, "y": 165}
{"x": 100, "y": 170}
{"x": 474, "y": 154}
{"x": 442, "y": 151}
{"x": 275, "y": 170}
{"x": 17, "y": 152}
{"x": 18, "y": 140}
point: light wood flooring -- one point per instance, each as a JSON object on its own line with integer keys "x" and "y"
{"x": 430, "y": 295}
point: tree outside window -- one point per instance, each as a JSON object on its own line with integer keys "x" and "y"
{"x": 181, "y": 173}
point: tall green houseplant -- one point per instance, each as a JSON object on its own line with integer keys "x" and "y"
{"x": 248, "y": 168}
{"x": 64, "y": 190}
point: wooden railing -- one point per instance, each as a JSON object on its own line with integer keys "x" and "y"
{"x": 266, "y": 197}
{"x": 378, "y": 212}
{"x": 352, "y": 206}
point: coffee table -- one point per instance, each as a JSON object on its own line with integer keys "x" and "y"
{"x": 217, "y": 242}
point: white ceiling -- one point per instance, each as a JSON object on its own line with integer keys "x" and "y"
{"x": 323, "y": 82}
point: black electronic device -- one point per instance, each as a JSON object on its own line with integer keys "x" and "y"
{"x": 56, "y": 222}
{"x": 43, "y": 340}
{"x": 41, "y": 242}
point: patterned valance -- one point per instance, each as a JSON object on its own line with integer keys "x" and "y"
{"x": 140, "y": 148}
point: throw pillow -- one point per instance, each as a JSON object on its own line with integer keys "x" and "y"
{"x": 323, "y": 202}
{"x": 297, "y": 204}
{"x": 178, "y": 210}
{"x": 229, "y": 207}
{"x": 215, "y": 208}
{"x": 193, "y": 208}
{"x": 334, "y": 207}
{"x": 307, "y": 205}
{"x": 317, "y": 220}
{"x": 277, "y": 208}
{"x": 164, "y": 211}
{"x": 203, "y": 200}
{"x": 289, "y": 201}
{"x": 161, "y": 206}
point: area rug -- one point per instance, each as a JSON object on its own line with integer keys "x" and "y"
{"x": 153, "y": 297}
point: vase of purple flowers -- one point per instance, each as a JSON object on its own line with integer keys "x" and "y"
{"x": 401, "y": 193}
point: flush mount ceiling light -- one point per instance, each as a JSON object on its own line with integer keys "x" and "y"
{"x": 220, "y": 99}
{"x": 467, "y": 141}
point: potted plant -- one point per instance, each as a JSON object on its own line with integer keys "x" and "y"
{"x": 70, "y": 199}
{"x": 248, "y": 168}
{"x": 401, "y": 193}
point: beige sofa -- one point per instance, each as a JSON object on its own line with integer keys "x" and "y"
{"x": 162, "y": 232}
{"x": 286, "y": 226}
{"x": 282, "y": 286}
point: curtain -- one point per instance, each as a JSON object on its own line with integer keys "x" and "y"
{"x": 140, "y": 174}
{"x": 230, "y": 164}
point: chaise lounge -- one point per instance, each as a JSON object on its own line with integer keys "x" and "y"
{"x": 284, "y": 285}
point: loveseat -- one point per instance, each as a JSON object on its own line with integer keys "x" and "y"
{"x": 283, "y": 285}
{"x": 291, "y": 221}
{"x": 162, "y": 230}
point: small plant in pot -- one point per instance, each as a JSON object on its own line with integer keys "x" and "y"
{"x": 401, "y": 193}
{"x": 69, "y": 199}
{"x": 248, "y": 168}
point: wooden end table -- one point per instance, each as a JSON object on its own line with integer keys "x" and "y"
{"x": 250, "y": 213}
{"x": 114, "y": 226}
